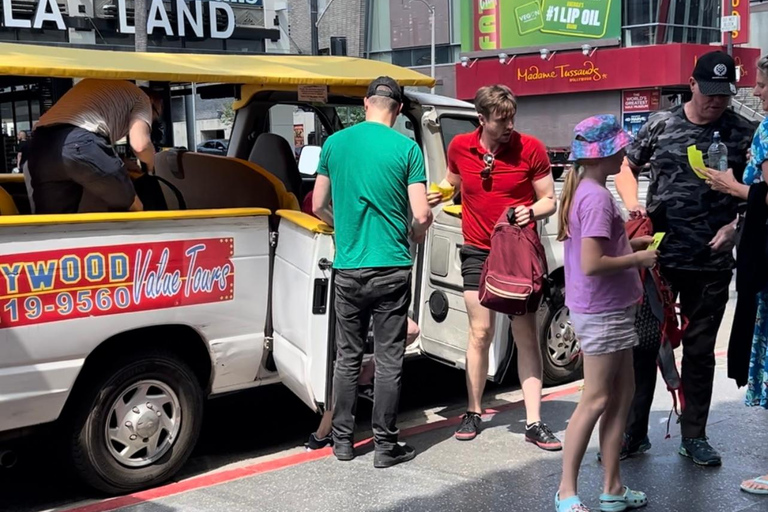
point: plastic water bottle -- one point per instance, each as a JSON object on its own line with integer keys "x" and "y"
{"x": 717, "y": 154}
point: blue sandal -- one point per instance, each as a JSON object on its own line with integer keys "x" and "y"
{"x": 619, "y": 503}
{"x": 572, "y": 504}
{"x": 752, "y": 490}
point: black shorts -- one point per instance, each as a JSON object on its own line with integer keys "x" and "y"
{"x": 472, "y": 259}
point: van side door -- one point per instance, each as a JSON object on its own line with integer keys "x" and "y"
{"x": 442, "y": 313}
{"x": 301, "y": 307}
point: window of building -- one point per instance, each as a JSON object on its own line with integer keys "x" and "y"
{"x": 421, "y": 56}
{"x": 676, "y": 21}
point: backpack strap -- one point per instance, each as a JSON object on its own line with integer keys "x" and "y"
{"x": 175, "y": 190}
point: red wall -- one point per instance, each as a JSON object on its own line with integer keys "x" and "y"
{"x": 607, "y": 69}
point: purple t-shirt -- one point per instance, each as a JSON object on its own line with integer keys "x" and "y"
{"x": 595, "y": 214}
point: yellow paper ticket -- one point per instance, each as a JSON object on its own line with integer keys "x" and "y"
{"x": 446, "y": 190}
{"x": 657, "y": 238}
{"x": 696, "y": 161}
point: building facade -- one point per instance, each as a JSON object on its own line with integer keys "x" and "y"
{"x": 396, "y": 31}
{"x": 566, "y": 63}
{"x": 242, "y": 26}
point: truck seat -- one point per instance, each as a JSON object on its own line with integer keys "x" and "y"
{"x": 274, "y": 153}
{"x": 211, "y": 181}
{"x": 7, "y": 205}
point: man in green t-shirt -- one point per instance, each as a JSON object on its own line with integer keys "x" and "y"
{"x": 376, "y": 180}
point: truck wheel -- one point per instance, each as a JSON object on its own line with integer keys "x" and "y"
{"x": 136, "y": 425}
{"x": 560, "y": 350}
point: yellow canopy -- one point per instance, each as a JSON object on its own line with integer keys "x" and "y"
{"x": 263, "y": 70}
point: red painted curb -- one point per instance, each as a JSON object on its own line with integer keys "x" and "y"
{"x": 212, "y": 479}
{"x": 220, "y": 477}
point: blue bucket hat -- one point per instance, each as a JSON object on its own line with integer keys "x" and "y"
{"x": 598, "y": 137}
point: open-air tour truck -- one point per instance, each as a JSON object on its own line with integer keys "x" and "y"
{"x": 116, "y": 327}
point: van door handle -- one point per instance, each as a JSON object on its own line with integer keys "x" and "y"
{"x": 325, "y": 264}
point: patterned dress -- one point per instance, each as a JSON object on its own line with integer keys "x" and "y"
{"x": 757, "y": 386}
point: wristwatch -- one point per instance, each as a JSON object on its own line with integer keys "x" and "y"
{"x": 530, "y": 212}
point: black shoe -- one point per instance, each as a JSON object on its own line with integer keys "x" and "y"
{"x": 630, "y": 448}
{"x": 540, "y": 435}
{"x": 318, "y": 443}
{"x": 393, "y": 457}
{"x": 344, "y": 452}
{"x": 366, "y": 392}
{"x": 470, "y": 425}
{"x": 700, "y": 451}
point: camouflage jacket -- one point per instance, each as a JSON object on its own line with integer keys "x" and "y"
{"x": 679, "y": 202}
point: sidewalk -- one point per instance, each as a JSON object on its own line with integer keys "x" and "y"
{"x": 496, "y": 472}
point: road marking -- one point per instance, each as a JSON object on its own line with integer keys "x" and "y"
{"x": 211, "y": 479}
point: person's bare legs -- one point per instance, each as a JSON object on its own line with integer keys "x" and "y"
{"x": 614, "y": 422}
{"x": 481, "y": 324}
{"x": 369, "y": 368}
{"x": 324, "y": 429}
{"x": 599, "y": 376}
{"x": 529, "y": 365}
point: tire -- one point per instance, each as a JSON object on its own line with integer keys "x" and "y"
{"x": 561, "y": 355}
{"x": 111, "y": 398}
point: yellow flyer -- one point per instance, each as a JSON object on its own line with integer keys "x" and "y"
{"x": 445, "y": 189}
{"x": 657, "y": 238}
{"x": 696, "y": 161}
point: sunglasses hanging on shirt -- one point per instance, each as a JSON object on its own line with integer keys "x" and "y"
{"x": 489, "y": 160}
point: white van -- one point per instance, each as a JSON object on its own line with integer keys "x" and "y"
{"x": 116, "y": 327}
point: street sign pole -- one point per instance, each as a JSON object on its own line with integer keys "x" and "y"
{"x": 729, "y": 25}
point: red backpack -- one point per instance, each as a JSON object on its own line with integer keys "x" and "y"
{"x": 662, "y": 303}
{"x": 513, "y": 277}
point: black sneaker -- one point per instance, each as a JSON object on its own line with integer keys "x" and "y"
{"x": 700, "y": 451}
{"x": 393, "y": 457}
{"x": 366, "y": 392}
{"x": 318, "y": 443}
{"x": 630, "y": 448}
{"x": 470, "y": 425}
{"x": 344, "y": 452}
{"x": 540, "y": 435}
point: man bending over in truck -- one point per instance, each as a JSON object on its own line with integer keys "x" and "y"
{"x": 72, "y": 150}
{"x": 373, "y": 174}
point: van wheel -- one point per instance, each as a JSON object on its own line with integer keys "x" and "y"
{"x": 137, "y": 424}
{"x": 560, "y": 349}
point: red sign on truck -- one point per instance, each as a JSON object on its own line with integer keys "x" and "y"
{"x": 51, "y": 286}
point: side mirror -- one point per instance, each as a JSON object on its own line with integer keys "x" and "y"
{"x": 309, "y": 160}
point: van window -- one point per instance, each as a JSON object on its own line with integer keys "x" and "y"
{"x": 450, "y": 127}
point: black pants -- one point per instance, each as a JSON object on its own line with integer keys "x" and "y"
{"x": 703, "y": 298}
{"x": 383, "y": 294}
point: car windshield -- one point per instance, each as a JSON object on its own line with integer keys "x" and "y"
{"x": 450, "y": 127}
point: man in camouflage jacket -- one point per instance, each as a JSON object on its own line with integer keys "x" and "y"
{"x": 696, "y": 253}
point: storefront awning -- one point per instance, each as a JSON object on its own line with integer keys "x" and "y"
{"x": 607, "y": 69}
{"x": 262, "y": 70}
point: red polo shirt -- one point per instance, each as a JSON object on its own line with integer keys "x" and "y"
{"x": 518, "y": 164}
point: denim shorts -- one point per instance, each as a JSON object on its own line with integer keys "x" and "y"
{"x": 606, "y": 333}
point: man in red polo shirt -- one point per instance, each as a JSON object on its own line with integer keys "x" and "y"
{"x": 497, "y": 168}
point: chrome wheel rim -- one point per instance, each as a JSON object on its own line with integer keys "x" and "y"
{"x": 143, "y": 423}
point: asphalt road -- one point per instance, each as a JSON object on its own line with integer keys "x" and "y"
{"x": 254, "y": 426}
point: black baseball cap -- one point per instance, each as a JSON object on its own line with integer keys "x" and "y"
{"x": 387, "y": 87}
{"x": 715, "y": 72}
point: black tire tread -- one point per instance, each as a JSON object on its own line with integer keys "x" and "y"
{"x": 93, "y": 385}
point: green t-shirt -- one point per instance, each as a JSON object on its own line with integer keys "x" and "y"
{"x": 370, "y": 167}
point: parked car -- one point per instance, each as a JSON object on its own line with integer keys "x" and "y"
{"x": 214, "y": 147}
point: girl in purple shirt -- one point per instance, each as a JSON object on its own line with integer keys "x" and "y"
{"x": 602, "y": 290}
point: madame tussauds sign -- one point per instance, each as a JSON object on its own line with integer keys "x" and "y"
{"x": 189, "y": 18}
